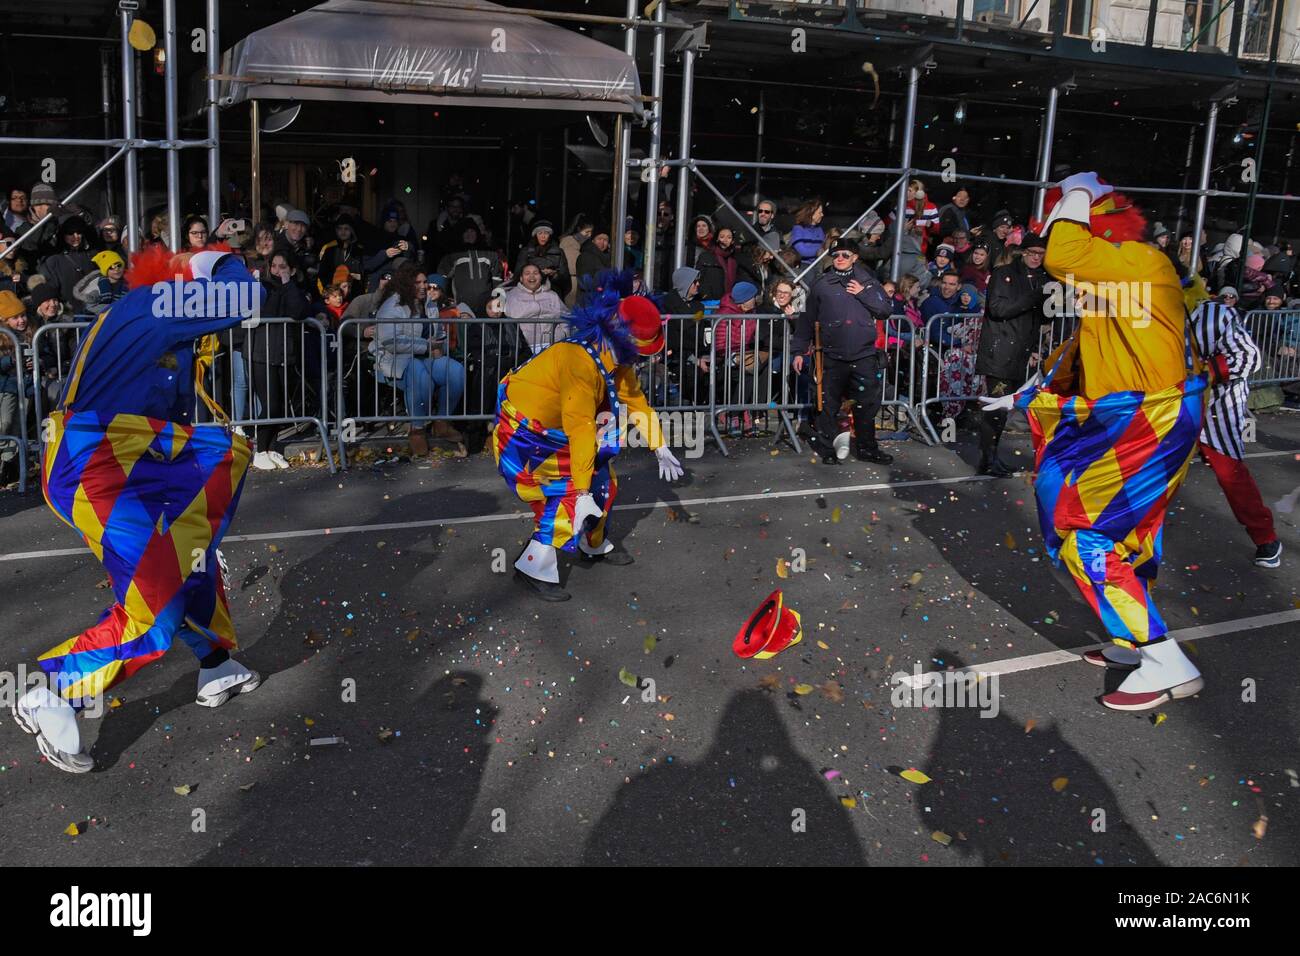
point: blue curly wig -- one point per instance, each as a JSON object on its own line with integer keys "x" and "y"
{"x": 598, "y": 314}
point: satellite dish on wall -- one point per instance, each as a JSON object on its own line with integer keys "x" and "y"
{"x": 601, "y": 137}
{"x": 279, "y": 117}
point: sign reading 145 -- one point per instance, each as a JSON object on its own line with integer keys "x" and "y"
{"x": 457, "y": 78}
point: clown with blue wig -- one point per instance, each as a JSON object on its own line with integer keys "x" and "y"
{"x": 559, "y": 428}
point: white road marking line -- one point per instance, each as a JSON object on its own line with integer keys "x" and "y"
{"x": 514, "y": 515}
{"x": 632, "y": 506}
{"x": 1031, "y": 662}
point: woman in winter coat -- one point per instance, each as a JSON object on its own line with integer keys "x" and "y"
{"x": 410, "y": 353}
{"x": 808, "y": 236}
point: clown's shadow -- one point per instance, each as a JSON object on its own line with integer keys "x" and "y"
{"x": 738, "y": 805}
{"x": 280, "y": 647}
{"x": 992, "y": 791}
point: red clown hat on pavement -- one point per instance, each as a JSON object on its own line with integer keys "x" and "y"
{"x": 644, "y": 323}
{"x": 769, "y": 630}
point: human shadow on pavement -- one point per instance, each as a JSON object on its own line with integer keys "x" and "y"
{"x": 735, "y": 806}
{"x": 392, "y": 800}
{"x": 281, "y": 646}
{"x": 1007, "y": 796}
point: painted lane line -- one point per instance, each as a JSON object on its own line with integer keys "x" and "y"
{"x": 631, "y": 506}
{"x": 1029, "y": 662}
{"x": 515, "y": 515}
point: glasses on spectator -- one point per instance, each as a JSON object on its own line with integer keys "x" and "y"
{"x": 198, "y": 232}
{"x": 767, "y": 212}
{"x": 841, "y": 255}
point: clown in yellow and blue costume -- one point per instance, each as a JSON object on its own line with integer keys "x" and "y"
{"x": 150, "y": 492}
{"x": 1115, "y": 425}
{"x": 560, "y": 425}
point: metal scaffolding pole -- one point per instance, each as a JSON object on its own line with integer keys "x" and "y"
{"x": 900, "y": 212}
{"x": 173, "y": 157}
{"x": 1045, "y": 157}
{"x": 36, "y": 227}
{"x": 1187, "y": 174}
{"x": 684, "y": 154}
{"x": 132, "y": 174}
{"x": 622, "y": 151}
{"x": 1207, "y": 161}
{"x": 106, "y": 106}
{"x": 255, "y": 162}
{"x": 649, "y": 236}
{"x": 214, "y": 116}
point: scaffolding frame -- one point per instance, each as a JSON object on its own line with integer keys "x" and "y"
{"x": 129, "y": 144}
{"x": 657, "y": 22}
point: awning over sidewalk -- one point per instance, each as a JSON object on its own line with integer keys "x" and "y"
{"x": 473, "y": 53}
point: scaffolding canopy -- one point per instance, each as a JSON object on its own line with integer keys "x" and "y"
{"x": 382, "y": 51}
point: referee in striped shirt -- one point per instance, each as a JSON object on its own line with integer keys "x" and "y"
{"x": 1226, "y": 346}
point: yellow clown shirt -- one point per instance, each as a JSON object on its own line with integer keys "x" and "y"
{"x": 1132, "y": 315}
{"x": 561, "y": 387}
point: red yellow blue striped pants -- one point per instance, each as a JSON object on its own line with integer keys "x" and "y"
{"x": 534, "y": 461}
{"x": 152, "y": 500}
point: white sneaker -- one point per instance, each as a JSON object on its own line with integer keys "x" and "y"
{"x": 228, "y": 679}
{"x": 279, "y": 459}
{"x": 263, "y": 461}
{"x": 1164, "y": 674}
{"x": 51, "y": 718}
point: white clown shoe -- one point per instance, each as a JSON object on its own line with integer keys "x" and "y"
{"x": 228, "y": 679}
{"x": 538, "y": 567}
{"x": 1114, "y": 655}
{"x": 51, "y": 718}
{"x": 1165, "y": 673}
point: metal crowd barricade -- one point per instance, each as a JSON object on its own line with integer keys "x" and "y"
{"x": 66, "y": 339}
{"x": 19, "y": 354}
{"x": 247, "y": 381}
{"x": 749, "y": 370}
{"x": 1277, "y": 336}
{"x": 485, "y": 350}
{"x": 898, "y": 373}
{"x": 962, "y": 329}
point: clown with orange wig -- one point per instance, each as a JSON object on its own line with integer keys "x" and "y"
{"x": 1115, "y": 425}
{"x": 560, "y": 419}
{"x": 150, "y": 492}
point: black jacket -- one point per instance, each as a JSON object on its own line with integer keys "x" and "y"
{"x": 1012, "y": 317}
{"x": 551, "y": 257}
{"x": 591, "y": 261}
{"x": 277, "y": 343}
{"x": 848, "y": 322}
{"x": 473, "y": 273}
{"x": 713, "y": 276}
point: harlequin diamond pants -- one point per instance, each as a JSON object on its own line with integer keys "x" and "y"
{"x": 152, "y": 500}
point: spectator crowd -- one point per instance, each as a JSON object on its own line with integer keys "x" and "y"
{"x": 414, "y": 291}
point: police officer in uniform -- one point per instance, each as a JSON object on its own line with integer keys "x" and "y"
{"x": 845, "y": 301}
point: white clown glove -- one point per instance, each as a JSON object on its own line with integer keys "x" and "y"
{"x": 1089, "y": 183}
{"x": 1007, "y": 402}
{"x": 670, "y": 469}
{"x": 585, "y": 508}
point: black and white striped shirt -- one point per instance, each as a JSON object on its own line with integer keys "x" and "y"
{"x": 1218, "y": 329}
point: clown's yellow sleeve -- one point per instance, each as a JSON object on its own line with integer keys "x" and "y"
{"x": 639, "y": 411}
{"x": 1132, "y": 338}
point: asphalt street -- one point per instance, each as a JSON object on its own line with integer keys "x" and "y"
{"x": 472, "y": 723}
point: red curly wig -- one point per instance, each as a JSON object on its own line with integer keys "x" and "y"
{"x": 1114, "y": 217}
{"x": 157, "y": 263}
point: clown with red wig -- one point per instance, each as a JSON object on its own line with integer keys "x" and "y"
{"x": 1115, "y": 425}
{"x": 560, "y": 424}
{"x": 150, "y": 492}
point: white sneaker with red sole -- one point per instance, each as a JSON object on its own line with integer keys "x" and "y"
{"x": 1164, "y": 674}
